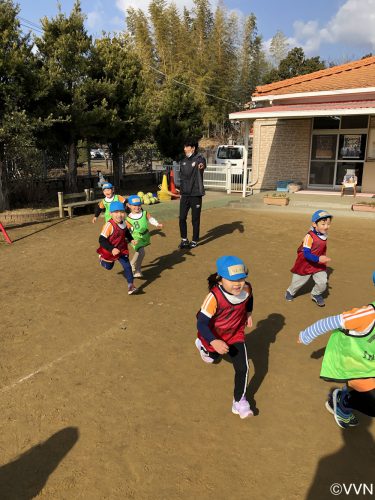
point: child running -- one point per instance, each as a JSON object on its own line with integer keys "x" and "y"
{"x": 349, "y": 357}
{"x": 113, "y": 243}
{"x": 312, "y": 260}
{"x": 103, "y": 205}
{"x": 221, "y": 324}
{"x": 137, "y": 221}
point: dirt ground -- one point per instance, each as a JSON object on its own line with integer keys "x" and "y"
{"x": 104, "y": 395}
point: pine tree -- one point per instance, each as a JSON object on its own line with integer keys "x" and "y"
{"x": 18, "y": 91}
{"x": 65, "y": 50}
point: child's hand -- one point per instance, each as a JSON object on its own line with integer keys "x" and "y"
{"x": 134, "y": 242}
{"x": 323, "y": 259}
{"x": 249, "y": 321}
{"x": 299, "y": 341}
{"x": 160, "y": 226}
{"x": 94, "y": 220}
{"x": 220, "y": 346}
{"x": 115, "y": 251}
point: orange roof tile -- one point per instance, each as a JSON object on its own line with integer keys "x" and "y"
{"x": 356, "y": 74}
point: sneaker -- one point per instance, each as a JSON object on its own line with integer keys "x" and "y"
{"x": 132, "y": 290}
{"x": 137, "y": 274}
{"x": 242, "y": 408}
{"x": 344, "y": 417}
{"x": 184, "y": 244}
{"x": 202, "y": 351}
{"x": 318, "y": 299}
{"x": 193, "y": 244}
{"x": 288, "y": 296}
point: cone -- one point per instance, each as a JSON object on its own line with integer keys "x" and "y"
{"x": 172, "y": 186}
{"x": 164, "y": 184}
{"x": 164, "y": 194}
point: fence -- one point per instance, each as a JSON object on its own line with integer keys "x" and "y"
{"x": 215, "y": 178}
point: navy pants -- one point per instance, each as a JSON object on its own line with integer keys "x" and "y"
{"x": 124, "y": 261}
{"x": 195, "y": 204}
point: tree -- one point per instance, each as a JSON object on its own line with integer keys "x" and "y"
{"x": 18, "y": 86}
{"x": 180, "y": 117}
{"x": 252, "y": 60}
{"x": 294, "y": 64}
{"x": 278, "y": 48}
{"x": 116, "y": 98}
{"x": 65, "y": 51}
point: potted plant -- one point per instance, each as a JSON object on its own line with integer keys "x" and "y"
{"x": 276, "y": 198}
{"x": 364, "y": 206}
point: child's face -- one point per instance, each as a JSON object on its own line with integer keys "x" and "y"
{"x": 135, "y": 209}
{"x": 118, "y": 216}
{"x": 233, "y": 287}
{"x": 108, "y": 193}
{"x": 322, "y": 226}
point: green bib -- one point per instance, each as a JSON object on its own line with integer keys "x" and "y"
{"x": 140, "y": 231}
{"x": 349, "y": 357}
{"x": 107, "y": 213}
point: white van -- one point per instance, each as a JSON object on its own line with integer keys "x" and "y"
{"x": 235, "y": 154}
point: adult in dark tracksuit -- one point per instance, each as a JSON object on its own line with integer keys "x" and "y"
{"x": 192, "y": 191}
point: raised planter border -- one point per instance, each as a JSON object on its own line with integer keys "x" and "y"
{"x": 359, "y": 207}
{"x": 276, "y": 200}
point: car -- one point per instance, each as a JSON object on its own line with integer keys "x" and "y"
{"x": 233, "y": 155}
{"x": 97, "y": 154}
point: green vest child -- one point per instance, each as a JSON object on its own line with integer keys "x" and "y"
{"x": 137, "y": 221}
{"x": 103, "y": 205}
{"x": 349, "y": 356}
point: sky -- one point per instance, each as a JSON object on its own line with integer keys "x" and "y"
{"x": 335, "y": 30}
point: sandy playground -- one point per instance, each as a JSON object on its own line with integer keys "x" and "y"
{"x": 104, "y": 396}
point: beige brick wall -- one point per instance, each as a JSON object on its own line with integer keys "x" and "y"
{"x": 281, "y": 151}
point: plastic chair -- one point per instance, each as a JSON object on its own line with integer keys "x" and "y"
{"x": 349, "y": 182}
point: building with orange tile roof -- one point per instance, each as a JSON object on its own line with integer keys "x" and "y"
{"x": 314, "y": 128}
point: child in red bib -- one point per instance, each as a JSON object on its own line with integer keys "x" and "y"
{"x": 312, "y": 260}
{"x": 221, "y": 324}
{"x": 113, "y": 243}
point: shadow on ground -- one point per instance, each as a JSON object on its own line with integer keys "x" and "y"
{"x": 25, "y": 477}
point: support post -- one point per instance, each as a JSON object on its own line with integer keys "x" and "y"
{"x": 246, "y": 144}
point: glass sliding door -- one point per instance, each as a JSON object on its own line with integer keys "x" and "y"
{"x": 338, "y": 147}
{"x": 323, "y": 156}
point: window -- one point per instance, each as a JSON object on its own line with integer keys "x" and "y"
{"x": 326, "y": 122}
{"x": 354, "y": 121}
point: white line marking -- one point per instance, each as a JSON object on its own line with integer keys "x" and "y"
{"x": 45, "y": 367}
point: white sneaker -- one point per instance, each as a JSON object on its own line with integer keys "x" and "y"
{"x": 137, "y": 274}
{"x": 202, "y": 351}
{"x": 132, "y": 290}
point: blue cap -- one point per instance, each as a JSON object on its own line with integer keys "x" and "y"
{"x": 231, "y": 268}
{"x": 107, "y": 185}
{"x": 135, "y": 200}
{"x": 115, "y": 206}
{"x": 320, "y": 214}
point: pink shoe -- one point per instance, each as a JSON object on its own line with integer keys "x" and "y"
{"x": 242, "y": 408}
{"x": 202, "y": 351}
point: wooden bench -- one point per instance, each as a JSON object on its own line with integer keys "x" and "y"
{"x": 68, "y": 202}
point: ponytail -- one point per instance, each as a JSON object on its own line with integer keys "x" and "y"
{"x": 213, "y": 280}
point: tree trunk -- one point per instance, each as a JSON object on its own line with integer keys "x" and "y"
{"x": 117, "y": 166}
{"x": 71, "y": 175}
{"x": 4, "y": 193}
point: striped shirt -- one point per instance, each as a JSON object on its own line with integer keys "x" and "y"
{"x": 358, "y": 321}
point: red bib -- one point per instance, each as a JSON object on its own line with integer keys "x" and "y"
{"x": 228, "y": 323}
{"x": 117, "y": 239}
{"x": 303, "y": 266}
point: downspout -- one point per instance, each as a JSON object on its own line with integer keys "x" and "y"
{"x": 246, "y": 143}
